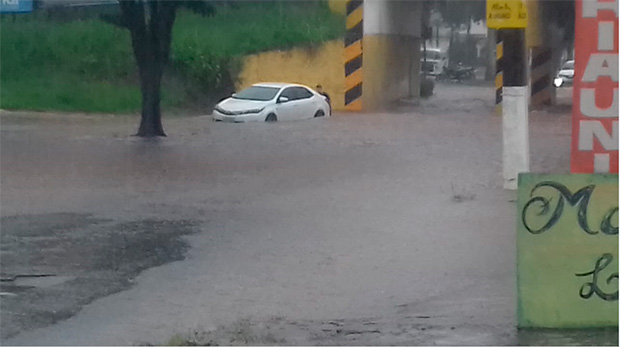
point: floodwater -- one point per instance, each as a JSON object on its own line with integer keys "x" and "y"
{"x": 376, "y": 229}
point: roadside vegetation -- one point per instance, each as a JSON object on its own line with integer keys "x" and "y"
{"x": 88, "y": 65}
{"x": 242, "y": 332}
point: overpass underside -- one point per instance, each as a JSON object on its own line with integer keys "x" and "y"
{"x": 382, "y": 52}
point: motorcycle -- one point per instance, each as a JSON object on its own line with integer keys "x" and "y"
{"x": 459, "y": 73}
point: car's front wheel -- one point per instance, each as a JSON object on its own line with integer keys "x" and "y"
{"x": 319, "y": 113}
{"x": 271, "y": 118}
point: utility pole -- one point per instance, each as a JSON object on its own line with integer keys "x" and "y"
{"x": 491, "y": 55}
{"x": 427, "y": 31}
{"x": 515, "y": 127}
{"x": 510, "y": 18}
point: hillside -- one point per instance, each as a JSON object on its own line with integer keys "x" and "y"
{"x": 87, "y": 65}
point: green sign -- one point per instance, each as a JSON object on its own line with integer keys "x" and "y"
{"x": 567, "y": 251}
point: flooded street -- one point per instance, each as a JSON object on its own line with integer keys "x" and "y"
{"x": 372, "y": 229}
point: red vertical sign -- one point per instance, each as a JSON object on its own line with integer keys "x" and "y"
{"x": 594, "y": 146}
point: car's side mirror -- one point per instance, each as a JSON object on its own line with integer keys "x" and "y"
{"x": 282, "y": 99}
{"x": 234, "y": 94}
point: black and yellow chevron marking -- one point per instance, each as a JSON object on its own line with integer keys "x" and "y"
{"x": 541, "y": 76}
{"x": 499, "y": 73}
{"x": 353, "y": 55}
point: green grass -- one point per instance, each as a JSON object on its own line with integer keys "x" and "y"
{"x": 88, "y": 65}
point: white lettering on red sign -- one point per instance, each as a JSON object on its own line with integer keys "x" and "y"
{"x": 588, "y": 106}
{"x": 599, "y": 65}
{"x": 593, "y": 129}
{"x": 596, "y": 106}
{"x": 591, "y": 7}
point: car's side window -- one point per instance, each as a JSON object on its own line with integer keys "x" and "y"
{"x": 296, "y": 94}
{"x": 303, "y": 93}
{"x": 288, "y": 93}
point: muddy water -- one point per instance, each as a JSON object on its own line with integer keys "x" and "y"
{"x": 397, "y": 219}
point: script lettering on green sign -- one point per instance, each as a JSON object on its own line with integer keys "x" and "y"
{"x": 593, "y": 287}
{"x": 567, "y": 251}
{"x": 580, "y": 199}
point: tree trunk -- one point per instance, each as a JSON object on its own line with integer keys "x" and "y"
{"x": 570, "y": 50}
{"x": 470, "y": 46}
{"x": 150, "y": 25}
{"x": 450, "y": 53}
{"x": 150, "y": 122}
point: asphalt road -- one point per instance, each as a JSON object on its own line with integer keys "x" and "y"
{"x": 388, "y": 228}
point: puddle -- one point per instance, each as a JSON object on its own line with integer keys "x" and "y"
{"x": 62, "y": 261}
{"x": 21, "y": 284}
{"x": 41, "y": 282}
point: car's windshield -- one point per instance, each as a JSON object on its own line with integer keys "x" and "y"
{"x": 569, "y": 65}
{"x": 431, "y": 55}
{"x": 257, "y": 93}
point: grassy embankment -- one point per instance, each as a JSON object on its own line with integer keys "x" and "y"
{"x": 88, "y": 65}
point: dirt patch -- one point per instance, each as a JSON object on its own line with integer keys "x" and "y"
{"x": 240, "y": 333}
{"x": 403, "y": 329}
{"x": 53, "y": 264}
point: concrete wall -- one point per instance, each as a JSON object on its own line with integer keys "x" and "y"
{"x": 338, "y": 6}
{"x": 310, "y": 66}
{"x": 391, "y": 58}
{"x": 391, "y": 51}
{"x": 567, "y": 251}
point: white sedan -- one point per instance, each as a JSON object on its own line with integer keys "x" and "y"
{"x": 566, "y": 74}
{"x": 271, "y": 102}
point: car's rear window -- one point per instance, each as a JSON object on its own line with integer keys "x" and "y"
{"x": 257, "y": 93}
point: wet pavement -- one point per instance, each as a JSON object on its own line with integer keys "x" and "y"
{"x": 381, "y": 229}
{"x": 53, "y": 264}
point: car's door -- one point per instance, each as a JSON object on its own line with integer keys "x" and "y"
{"x": 286, "y": 110}
{"x": 304, "y": 107}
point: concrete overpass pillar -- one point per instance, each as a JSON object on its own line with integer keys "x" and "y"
{"x": 381, "y": 51}
{"x": 353, "y": 56}
{"x": 541, "y": 67}
{"x": 392, "y": 39}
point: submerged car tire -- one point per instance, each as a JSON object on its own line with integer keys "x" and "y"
{"x": 319, "y": 113}
{"x": 271, "y": 118}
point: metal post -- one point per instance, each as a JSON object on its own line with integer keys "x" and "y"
{"x": 424, "y": 67}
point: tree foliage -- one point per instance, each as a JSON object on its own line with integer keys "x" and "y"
{"x": 457, "y": 13}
